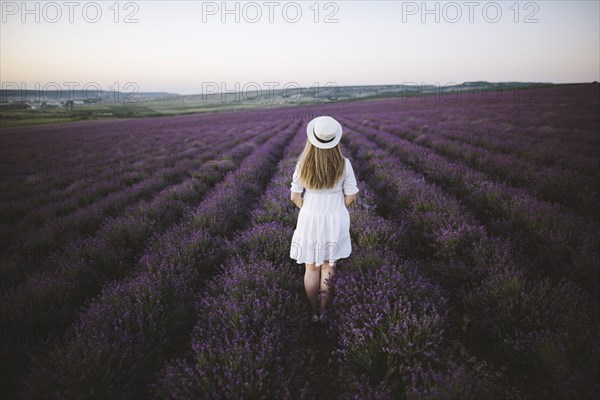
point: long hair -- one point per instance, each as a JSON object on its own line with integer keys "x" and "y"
{"x": 320, "y": 168}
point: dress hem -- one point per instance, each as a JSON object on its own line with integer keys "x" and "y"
{"x": 315, "y": 262}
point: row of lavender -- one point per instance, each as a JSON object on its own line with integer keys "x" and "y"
{"x": 549, "y": 143}
{"x": 558, "y": 152}
{"x": 105, "y": 159}
{"x": 538, "y": 334}
{"x": 552, "y": 241}
{"x": 32, "y": 163}
{"x": 46, "y": 303}
{"x": 249, "y": 318}
{"x": 89, "y": 160}
{"x": 50, "y": 297}
{"x": 29, "y": 248}
{"x": 389, "y": 321}
{"x": 135, "y": 323}
{"x": 552, "y": 184}
{"x": 49, "y": 204}
{"x": 553, "y": 127}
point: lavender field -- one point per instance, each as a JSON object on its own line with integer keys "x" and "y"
{"x": 149, "y": 258}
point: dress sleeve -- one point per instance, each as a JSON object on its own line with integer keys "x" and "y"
{"x": 350, "y": 186}
{"x": 296, "y": 185}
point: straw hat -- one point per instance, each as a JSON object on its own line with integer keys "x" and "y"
{"x": 324, "y": 132}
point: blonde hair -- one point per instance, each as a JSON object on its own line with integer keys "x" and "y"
{"x": 320, "y": 168}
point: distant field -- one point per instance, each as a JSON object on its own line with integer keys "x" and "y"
{"x": 20, "y": 116}
{"x": 149, "y": 257}
{"x": 114, "y": 105}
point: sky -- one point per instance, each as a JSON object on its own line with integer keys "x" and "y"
{"x": 192, "y": 47}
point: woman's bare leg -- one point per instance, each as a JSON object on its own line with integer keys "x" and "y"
{"x": 326, "y": 272}
{"x": 311, "y": 284}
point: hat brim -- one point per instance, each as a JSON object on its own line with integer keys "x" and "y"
{"x": 315, "y": 142}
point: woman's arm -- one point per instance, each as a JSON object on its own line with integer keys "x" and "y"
{"x": 297, "y": 199}
{"x": 349, "y": 199}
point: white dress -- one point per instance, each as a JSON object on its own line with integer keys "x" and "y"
{"x": 323, "y": 229}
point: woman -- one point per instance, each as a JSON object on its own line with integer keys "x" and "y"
{"x": 322, "y": 234}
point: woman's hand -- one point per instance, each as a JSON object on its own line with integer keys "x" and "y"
{"x": 297, "y": 199}
{"x": 349, "y": 199}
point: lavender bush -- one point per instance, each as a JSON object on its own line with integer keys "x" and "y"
{"x": 268, "y": 241}
{"x": 243, "y": 343}
{"x": 71, "y": 344}
{"x": 389, "y": 320}
{"x": 540, "y": 329}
